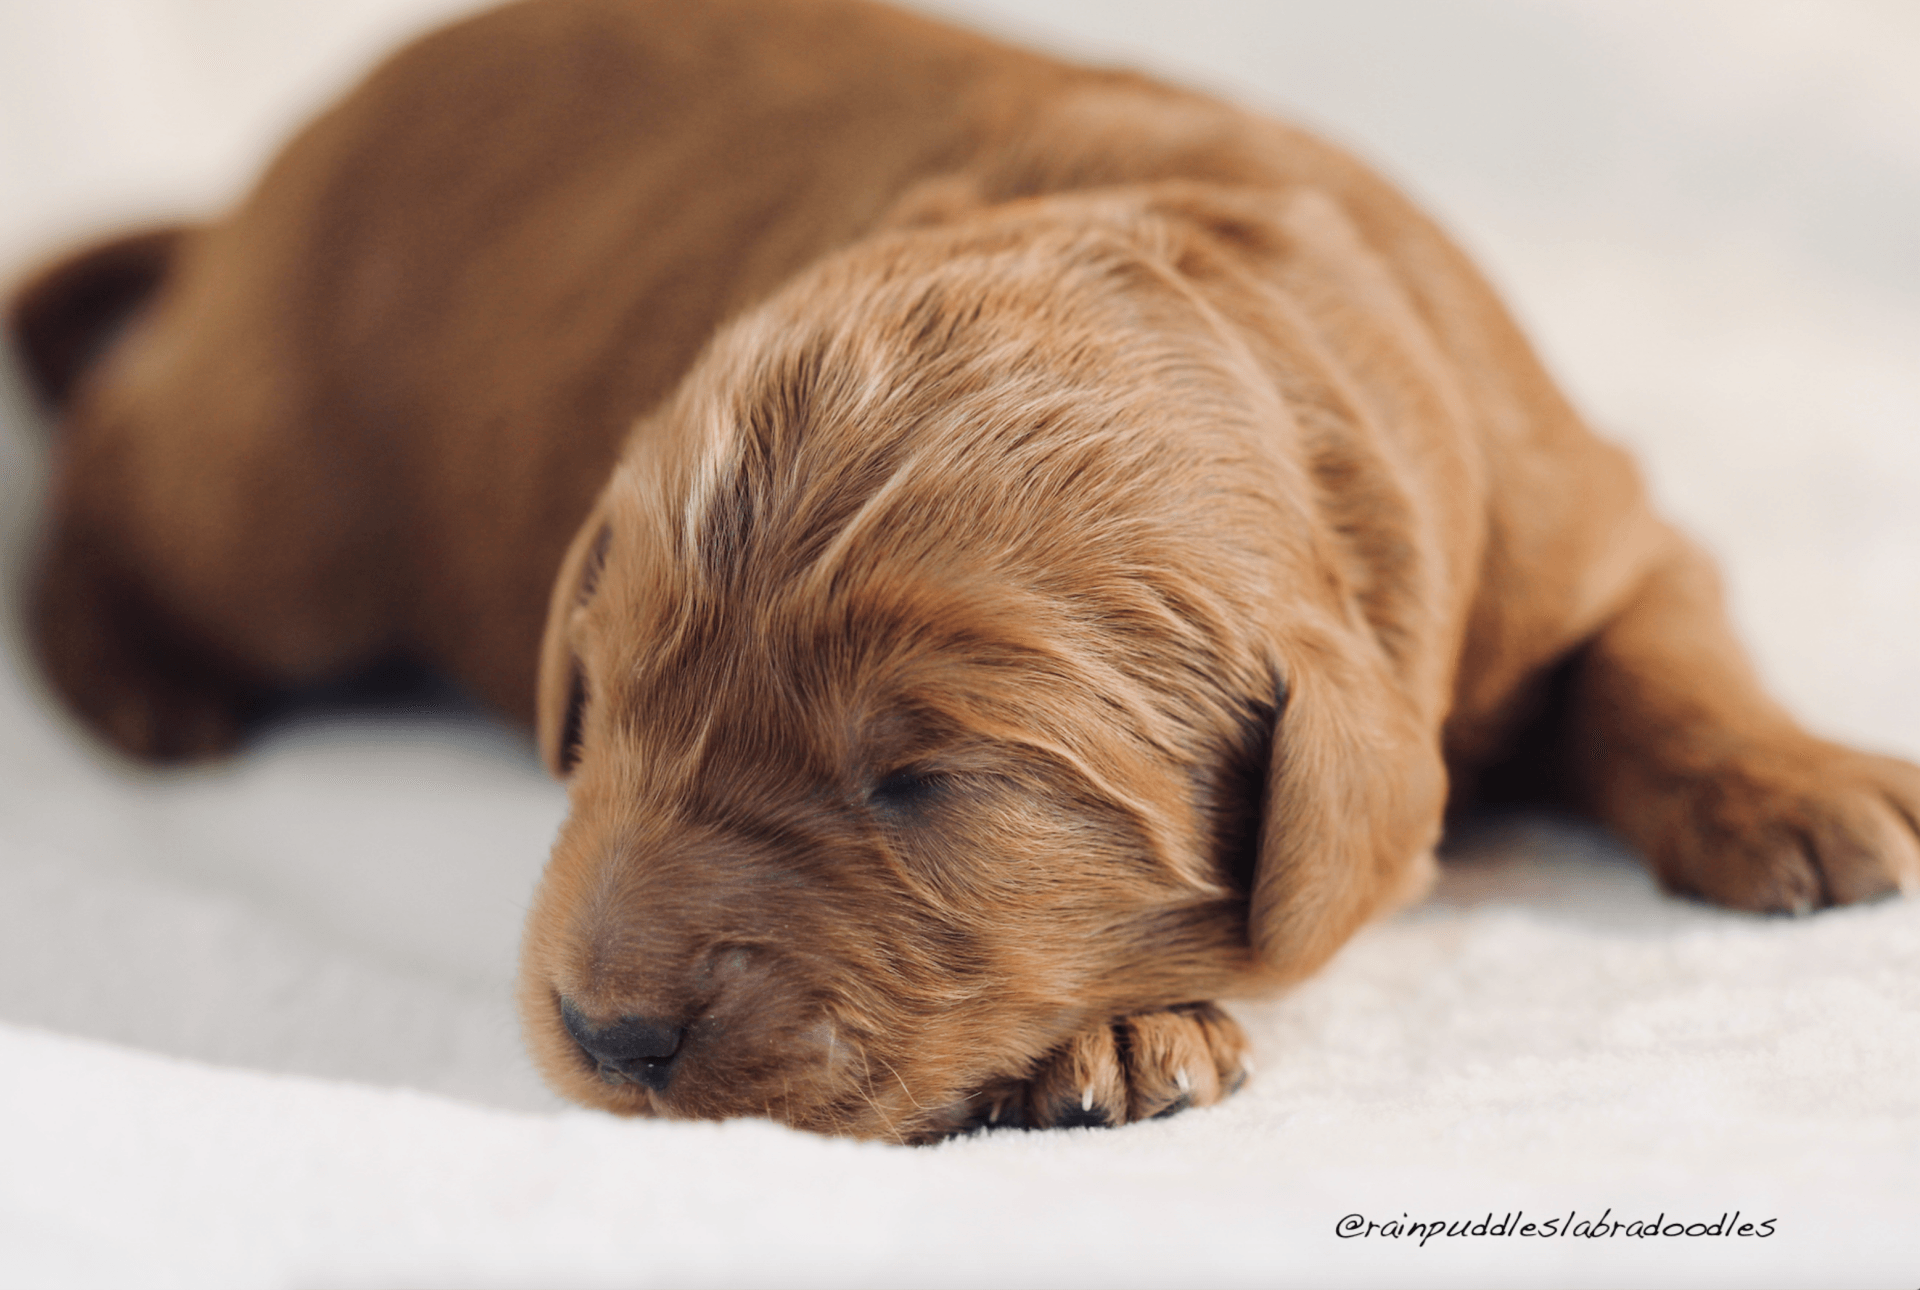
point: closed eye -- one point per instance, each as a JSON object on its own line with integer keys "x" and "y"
{"x": 907, "y": 791}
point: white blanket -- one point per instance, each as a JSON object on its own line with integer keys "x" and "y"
{"x": 255, "y": 1021}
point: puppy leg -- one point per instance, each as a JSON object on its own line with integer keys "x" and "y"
{"x": 135, "y": 475}
{"x": 1142, "y": 1067}
{"x": 1678, "y": 749}
{"x": 123, "y": 663}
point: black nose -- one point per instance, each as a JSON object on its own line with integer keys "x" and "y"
{"x": 637, "y": 1050}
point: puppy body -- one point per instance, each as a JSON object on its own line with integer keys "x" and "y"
{"x": 1073, "y": 533}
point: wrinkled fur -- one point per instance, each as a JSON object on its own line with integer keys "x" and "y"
{"x": 1073, "y": 535}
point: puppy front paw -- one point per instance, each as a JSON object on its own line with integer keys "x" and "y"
{"x": 1140, "y": 1067}
{"x": 1793, "y": 830}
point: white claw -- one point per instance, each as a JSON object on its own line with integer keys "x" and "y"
{"x": 1246, "y": 1067}
{"x": 1086, "y": 1099}
{"x": 993, "y": 1116}
{"x": 1180, "y": 1078}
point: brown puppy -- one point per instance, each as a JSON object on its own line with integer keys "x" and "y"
{"x": 1073, "y": 534}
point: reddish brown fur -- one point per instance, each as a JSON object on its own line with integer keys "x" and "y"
{"x": 1073, "y": 532}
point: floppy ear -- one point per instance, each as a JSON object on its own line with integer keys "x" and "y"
{"x": 562, "y": 695}
{"x": 65, "y": 318}
{"x": 1355, "y": 794}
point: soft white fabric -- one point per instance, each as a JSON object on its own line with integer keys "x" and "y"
{"x": 255, "y": 1025}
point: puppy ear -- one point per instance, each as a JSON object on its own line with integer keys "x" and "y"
{"x": 1355, "y": 794}
{"x": 65, "y": 318}
{"x": 562, "y": 696}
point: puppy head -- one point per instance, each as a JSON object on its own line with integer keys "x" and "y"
{"x": 915, "y": 680}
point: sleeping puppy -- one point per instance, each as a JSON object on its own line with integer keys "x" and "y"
{"x": 1003, "y": 554}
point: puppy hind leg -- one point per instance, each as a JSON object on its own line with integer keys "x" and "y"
{"x": 126, "y": 667}
{"x": 188, "y": 572}
{"x": 1675, "y": 745}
